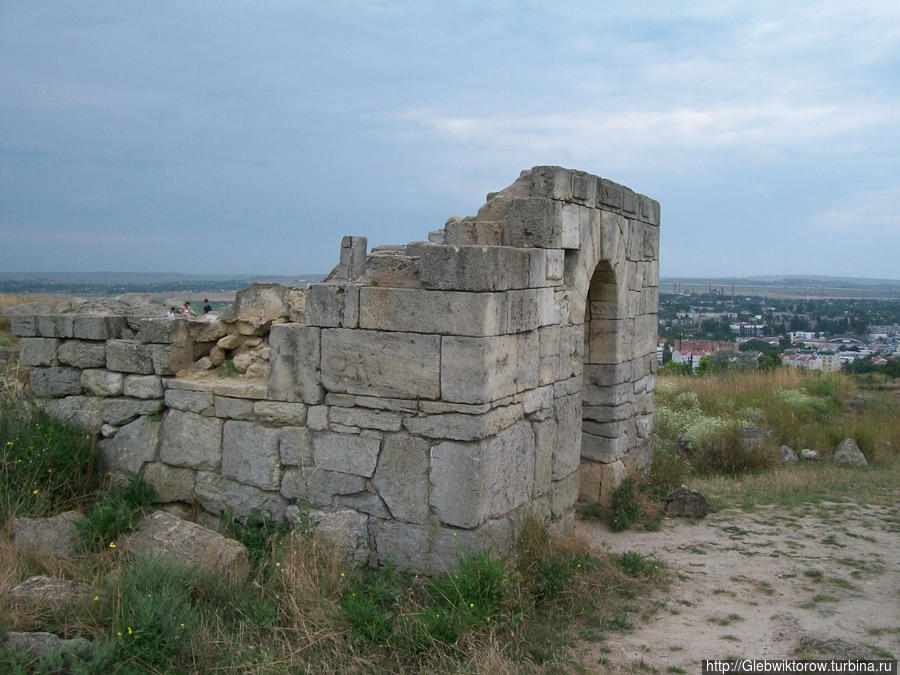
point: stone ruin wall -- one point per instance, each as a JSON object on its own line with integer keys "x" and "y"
{"x": 422, "y": 398}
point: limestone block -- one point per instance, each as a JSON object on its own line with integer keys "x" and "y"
{"x": 366, "y": 419}
{"x": 98, "y": 327}
{"x": 382, "y": 403}
{"x": 317, "y": 417}
{"x": 132, "y": 446}
{"x": 238, "y": 387}
{"x": 608, "y": 396}
{"x": 280, "y": 413}
{"x": 207, "y": 328}
{"x": 375, "y": 363}
{"x": 159, "y": 330}
{"x": 601, "y": 448}
{"x": 553, "y": 182}
{"x": 56, "y": 536}
{"x": 143, "y": 386}
{"x": 346, "y": 528}
{"x": 127, "y": 356}
{"x": 295, "y": 363}
{"x": 55, "y": 326}
{"x": 650, "y": 210}
{"x": 537, "y": 399}
{"x": 598, "y": 481}
{"x": 318, "y": 486}
{"x": 635, "y": 246}
{"x": 85, "y": 411}
{"x": 567, "y": 444}
{"x": 191, "y": 440}
{"x": 606, "y": 340}
{"x": 250, "y": 454}
{"x": 295, "y": 446}
{"x": 171, "y": 483}
{"x": 472, "y": 232}
{"x": 545, "y": 434}
{"x": 531, "y": 309}
{"x": 217, "y": 494}
{"x": 23, "y": 325}
{"x": 430, "y": 550}
{"x": 475, "y": 268}
{"x": 100, "y": 382}
{"x": 604, "y": 375}
{"x": 55, "y": 382}
{"x": 121, "y": 411}
{"x": 190, "y": 401}
{"x": 394, "y": 270}
{"x": 584, "y": 188}
{"x": 401, "y": 477}
{"x": 352, "y": 263}
{"x": 38, "y": 351}
{"x": 564, "y": 494}
{"x": 645, "y": 329}
{"x": 478, "y": 370}
{"x": 260, "y": 304}
{"x": 365, "y": 502}
{"x": 546, "y": 267}
{"x": 347, "y": 453}
{"x": 528, "y": 361}
{"x": 605, "y": 413}
{"x": 548, "y": 368}
{"x": 440, "y": 407}
{"x": 542, "y": 223}
{"x": 630, "y": 201}
{"x": 571, "y": 351}
{"x": 81, "y": 354}
{"x": 471, "y": 482}
{"x": 189, "y": 544}
{"x": 424, "y": 311}
{"x": 330, "y": 305}
{"x": 463, "y": 427}
{"x": 170, "y": 359}
{"x": 341, "y": 400}
{"x": 613, "y": 236}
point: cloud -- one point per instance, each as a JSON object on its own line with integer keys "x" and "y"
{"x": 872, "y": 213}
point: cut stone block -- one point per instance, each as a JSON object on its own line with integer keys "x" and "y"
{"x": 218, "y": 495}
{"x": 55, "y": 382}
{"x": 346, "y": 452}
{"x": 126, "y": 356}
{"x": 189, "y": 401}
{"x": 82, "y": 354}
{"x": 401, "y": 477}
{"x": 184, "y": 543}
{"x": 191, "y": 440}
{"x": 375, "y": 363}
{"x": 250, "y": 454}
{"x": 295, "y": 364}
{"x": 38, "y": 351}
{"x": 439, "y": 312}
{"x": 478, "y": 370}
{"x": 132, "y": 446}
{"x": 56, "y": 537}
{"x": 143, "y": 386}
{"x": 171, "y": 483}
{"x": 471, "y": 482}
{"x": 332, "y": 305}
{"x": 319, "y": 487}
{"x": 100, "y": 382}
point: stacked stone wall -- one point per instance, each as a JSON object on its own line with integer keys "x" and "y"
{"x": 427, "y": 397}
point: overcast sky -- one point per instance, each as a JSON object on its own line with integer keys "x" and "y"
{"x": 249, "y": 136}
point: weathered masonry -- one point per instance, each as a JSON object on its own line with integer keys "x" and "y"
{"x": 426, "y": 397}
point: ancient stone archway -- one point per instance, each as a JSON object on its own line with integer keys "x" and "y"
{"x": 429, "y": 396}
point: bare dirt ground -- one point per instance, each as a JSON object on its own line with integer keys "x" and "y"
{"x": 818, "y": 581}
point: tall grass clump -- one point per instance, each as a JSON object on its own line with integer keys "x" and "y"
{"x": 118, "y": 511}
{"x": 46, "y": 465}
{"x": 701, "y": 424}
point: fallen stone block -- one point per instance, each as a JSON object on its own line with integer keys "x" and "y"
{"x": 163, "y": 535}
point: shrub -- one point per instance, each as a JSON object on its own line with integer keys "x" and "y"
{"x": 727, "y": 454}
{"x": 625, "y": 506}
{"x": 259, "y": 532}
{"x": 117, "y": 512}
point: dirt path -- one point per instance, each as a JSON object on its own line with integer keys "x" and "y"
{"x": 819, "y": 581}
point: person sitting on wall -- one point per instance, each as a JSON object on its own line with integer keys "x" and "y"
{"x": 171, "y": 313}
{"x": 207, "y": 308}
{"x": 187, "y": 312}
